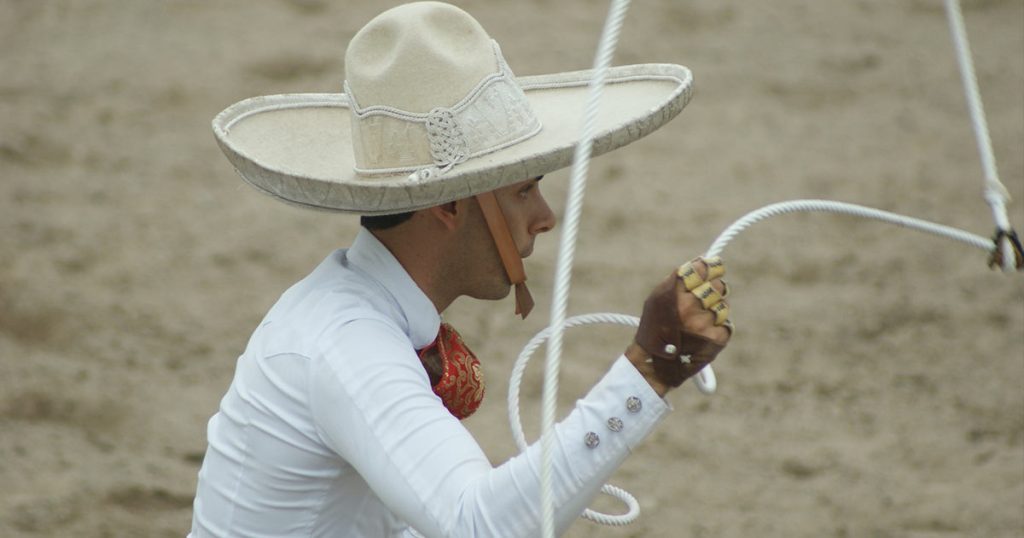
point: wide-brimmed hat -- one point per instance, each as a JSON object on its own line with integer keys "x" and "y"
{"x": 432, "y": 113}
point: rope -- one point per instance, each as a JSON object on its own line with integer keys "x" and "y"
{"x": 828, "y": 206}
{"x": 566, "y": 251}
{"x": 995, "y": 192}
{"x": 633, "y": 507}
{"x": 705, "y": 379}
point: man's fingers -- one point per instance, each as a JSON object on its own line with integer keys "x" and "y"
{"x": 704, "y": 324}
{"x": 721, "y": 312}
{"x": 715, "y": 268}
{"x": 707, "y": 295}
{"x": 700, "y": 270}
{"x": 691, "y": 276}
{"x": 701, "y": 300}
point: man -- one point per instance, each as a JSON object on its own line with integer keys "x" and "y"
{"x": 343, "y": 416}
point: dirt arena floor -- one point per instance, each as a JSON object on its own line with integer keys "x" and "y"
{"x": 875, "y": 387}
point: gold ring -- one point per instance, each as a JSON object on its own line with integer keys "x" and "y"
{"x": 721, "y": 312}
{"x": 725, "y": 289}
{"x": 730, "y": 326}
{"x": 707, "y": 295}
{"x": 691, "y": 278}
{"x": 716, "y": 267}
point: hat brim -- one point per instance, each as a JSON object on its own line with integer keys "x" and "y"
{"x": 298, "y": 147}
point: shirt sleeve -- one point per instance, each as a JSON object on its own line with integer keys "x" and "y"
{"x": 372, "y": 404}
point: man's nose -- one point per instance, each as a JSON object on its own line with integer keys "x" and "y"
{"x": 545, "y": 220}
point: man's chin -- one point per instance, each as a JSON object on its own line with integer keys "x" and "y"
{"x": 496, "y": 294}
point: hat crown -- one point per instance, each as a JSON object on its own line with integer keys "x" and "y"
{"x": 417, "y": 57}
{"x": 428, "y": 89}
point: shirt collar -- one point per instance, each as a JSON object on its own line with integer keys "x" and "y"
{"x": 421, "y": 320}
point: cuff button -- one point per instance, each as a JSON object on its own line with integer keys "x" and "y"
{"x": 591, "y": 439}
{"x": 615, "y": 424}
{"x": 633, "y": 404}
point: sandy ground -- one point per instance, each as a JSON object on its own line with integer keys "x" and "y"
{"x": 875, "y": 387}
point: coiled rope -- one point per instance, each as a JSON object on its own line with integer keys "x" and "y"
{"x": 996, "y": 196}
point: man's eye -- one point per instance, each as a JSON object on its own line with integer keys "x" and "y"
{"x": 529, "y": 187}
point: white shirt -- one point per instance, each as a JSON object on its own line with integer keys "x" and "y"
{"x": 330, "y": 427}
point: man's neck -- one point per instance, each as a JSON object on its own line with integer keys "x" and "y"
{"x": 423, "y": 261}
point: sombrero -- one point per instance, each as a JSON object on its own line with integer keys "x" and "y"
{"x": 432, "y": 113}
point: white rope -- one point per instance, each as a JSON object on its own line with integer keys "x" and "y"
{"x": 566, "y": 251}
{"x": 519, "y": 368}
{"x": 828, "y": 206}
{"x": 517, "y": 426}
{"x": 705, "y": 379}
{"x": 706, "y": 376}
{"x": 995, "y": 192}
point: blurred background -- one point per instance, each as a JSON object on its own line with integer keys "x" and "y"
{"x": 875, "y": 386}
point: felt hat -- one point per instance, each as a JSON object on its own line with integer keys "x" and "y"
{"x": 431, "y": 113}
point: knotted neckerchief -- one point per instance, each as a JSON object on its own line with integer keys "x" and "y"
{"x": 454, "y": 372}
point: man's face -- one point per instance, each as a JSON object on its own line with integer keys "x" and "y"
{"x": 527, "y": 214}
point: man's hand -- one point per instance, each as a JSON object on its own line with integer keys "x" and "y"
{"x": 685, "y": 324}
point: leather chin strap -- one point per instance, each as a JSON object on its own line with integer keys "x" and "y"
{"x": 507, "y": 250}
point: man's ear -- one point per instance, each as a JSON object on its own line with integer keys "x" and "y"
{"x": 449, "y": 215}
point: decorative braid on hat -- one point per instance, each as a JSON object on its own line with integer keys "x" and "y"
{"x": 448, "y": 145}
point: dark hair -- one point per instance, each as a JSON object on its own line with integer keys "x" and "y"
{"x": 383, "y": 222}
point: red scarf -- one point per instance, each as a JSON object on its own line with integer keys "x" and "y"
{"x": 461, "y": 385}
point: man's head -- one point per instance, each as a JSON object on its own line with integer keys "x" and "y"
{"x": 433, "y": 113}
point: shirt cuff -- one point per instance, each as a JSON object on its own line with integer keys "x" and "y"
{"x": 618, "y": 413}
